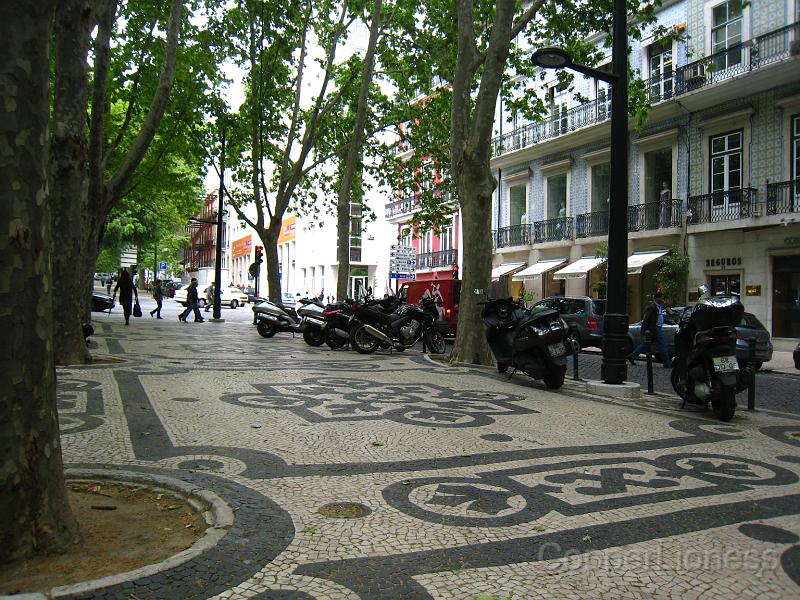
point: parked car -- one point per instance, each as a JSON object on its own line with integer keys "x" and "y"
{"x": 748, "y": 328}
{"x": 169, "y": 287}
{"x": 229, "y": 296}
{"x": 102, "y": 302}
{"x": 586, "y": 312}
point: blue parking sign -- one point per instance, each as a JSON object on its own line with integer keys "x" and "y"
{"x": 162, "y": 266}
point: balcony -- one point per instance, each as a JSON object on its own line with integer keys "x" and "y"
{"x": 553, "y": 230}
{"x": 516, "y": 235}
{"x": 722, "y": 206}
{"x": 754, "y": 54}
{"x": 400, "y": 207}
{"x": 591, "y": 224}
{"x": 436, "y": 260}
{"x": 783, "y": 197}
{"x": 655, "y": 215}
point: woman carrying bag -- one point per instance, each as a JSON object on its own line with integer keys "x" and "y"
{"x": 127, "y": 291}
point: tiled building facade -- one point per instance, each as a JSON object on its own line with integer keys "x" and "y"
{"x": 714, "y": 171}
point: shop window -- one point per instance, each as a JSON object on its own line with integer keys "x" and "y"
{"x": 518, "y": 200}
{"x": 601, "y": 184}
{"x": 657, "y": 174}
{"x": 557, "y": 196}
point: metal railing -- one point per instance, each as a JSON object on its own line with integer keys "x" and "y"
{"x": 516, "y": 235}
{"x": 722, "y": 206}
{"x": 552, "y": 230}
{"x": 555, "y": 125}
{"x": 655, "y": 215}
{"x": 783, "y": 197}
{"x": 591, "y": 224}
{"x": 434, "y": 260}
{"x": 731, "y": 62}
{"x": 400, "y": 207}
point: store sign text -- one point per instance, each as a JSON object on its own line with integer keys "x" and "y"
{"x": 723, "y": 262}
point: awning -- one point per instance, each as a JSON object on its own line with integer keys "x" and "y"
{"x": 579, "y": 268}
{"x": 543, "y": 266}
{"x": 506, "y": 268}
{"x": 637, "y": 261}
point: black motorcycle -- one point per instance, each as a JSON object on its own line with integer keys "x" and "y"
{"x": 705, "y": 368}
{"x": 312, "y": 321}
{"x": 399, "y": 330}
{"x": 532, "y": 342}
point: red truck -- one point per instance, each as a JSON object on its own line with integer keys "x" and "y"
{"x": 446, "y": 292}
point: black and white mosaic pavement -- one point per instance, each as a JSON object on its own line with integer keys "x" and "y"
{"x": 474, "y": 485}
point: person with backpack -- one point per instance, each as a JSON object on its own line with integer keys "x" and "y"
{"x": 191, "y": 303}
{"x": 653, "y": 321}
{"x": 158, "y": 296}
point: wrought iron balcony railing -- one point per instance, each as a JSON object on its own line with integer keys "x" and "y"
{"x": 400, "y": 207}
{"x": 552, "y": 230}
{"x": 435, "y": 260}
{"x": 783, "y": 197}
{"x": 655, "y": 215}
{"x": 516, "y": 235}
{"x": 731, "y": 62}
{"x": 591, "y": 224}
{"x": 722, "y": 206}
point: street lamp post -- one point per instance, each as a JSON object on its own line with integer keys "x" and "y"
{"x": 218, "y": 249}
{"x": 614, "y": 369}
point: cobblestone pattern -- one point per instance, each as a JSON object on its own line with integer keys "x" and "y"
{"x": 474, "y": 483}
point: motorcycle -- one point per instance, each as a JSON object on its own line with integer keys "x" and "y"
{"x": 399, "y": 330}
{"x": 312, "y": 321}
{"x": 705, "y": 368}
{"x": 271, "y": 317}
{"x": 532, "y": 342}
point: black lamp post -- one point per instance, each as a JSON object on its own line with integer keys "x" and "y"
{"x": 614, "y": 368}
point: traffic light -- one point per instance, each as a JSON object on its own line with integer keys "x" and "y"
{"x": 259, "y": 254}
{"x": 455, "y": 271}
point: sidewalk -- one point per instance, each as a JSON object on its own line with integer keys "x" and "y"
{"x": 463, "y": 483}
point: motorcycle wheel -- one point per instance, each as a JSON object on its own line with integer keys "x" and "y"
{"x": 362, "y": 341}
{"x": 313, "y": 336}
{"x": 679, "y": 387}
{"x": 266, "y": 328}
{"x": 725, "y": 405}
{"x": 234, "y": 304}
{"x": 333, "y": 341}
{"x": 434, "y": 341}
{"x": 554, "y": 378}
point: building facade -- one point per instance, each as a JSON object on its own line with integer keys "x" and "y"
{"x": 714, "y": 172}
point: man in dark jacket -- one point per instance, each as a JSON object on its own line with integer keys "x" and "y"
{"x": 653, "y": 321}
{"x": 192, "y": 300}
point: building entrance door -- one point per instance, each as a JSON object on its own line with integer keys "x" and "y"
{"x": 786, "y": 296}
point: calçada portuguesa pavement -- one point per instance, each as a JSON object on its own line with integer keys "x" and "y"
{"x": 465, "y": 484}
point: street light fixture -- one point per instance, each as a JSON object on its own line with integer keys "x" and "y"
{"x": 614, "y": 368}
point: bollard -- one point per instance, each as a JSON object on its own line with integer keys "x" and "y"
{"x": 751, "y": 390}
{"x": 648, "y": 352}
{"x": 576, "y": 350}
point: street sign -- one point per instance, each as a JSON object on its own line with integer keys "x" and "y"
{"x": 162, "y": 266}
{"x": 402, "y": 275}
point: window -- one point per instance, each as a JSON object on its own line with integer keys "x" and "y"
{"x": 660, "y": 60}
{"x": 726, "y": 162}
{"x": 657, "y": 173}
{"x": 601, "y": 184}
{"x": 557, "y": 196}
{"x": 726, "y": 34}
{"x": 518, "y": 200}
{"x": 795, "y": 149}
{"x": 426, "y": 242}
{"x": 446, "y": 237}
{"x": 405, "y": 240}
{"x": 559, "y": 102}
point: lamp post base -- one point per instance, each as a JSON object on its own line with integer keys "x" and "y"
{"x": 614, "y": 368}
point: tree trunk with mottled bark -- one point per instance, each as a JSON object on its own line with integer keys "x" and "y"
{"x": 34, "y": 514}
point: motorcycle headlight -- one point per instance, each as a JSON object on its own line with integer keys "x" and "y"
{"x": 537, "y": 329}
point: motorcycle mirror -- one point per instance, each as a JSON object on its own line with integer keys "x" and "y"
{"x": 702, "y": 288}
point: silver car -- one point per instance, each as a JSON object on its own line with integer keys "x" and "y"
{"x": 750, "y": 327}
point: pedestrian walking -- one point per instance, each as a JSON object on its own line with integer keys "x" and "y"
{"x": 158, "y": 295}
{"x": 209, "y": 293}
{"x": 653, "y": 321}
{"x": 192, "y": 303}
{"x": 127, "y": 291}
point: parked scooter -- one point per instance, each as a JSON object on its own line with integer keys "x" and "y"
{"x": 705, "y": 368}
{"x": 271, "y": 317}
{"x": 534, "y": 343}
{"x": 312, "y": 322}
{"x": 399, "y": 330}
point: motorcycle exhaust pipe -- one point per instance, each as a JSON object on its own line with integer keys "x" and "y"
{"x": 343, "y": 335}
{"x": 377, "y": 334}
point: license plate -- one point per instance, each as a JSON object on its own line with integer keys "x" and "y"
{"x": 556, "y": 349}
{"x": 725, "y": 364}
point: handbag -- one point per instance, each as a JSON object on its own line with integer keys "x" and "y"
{"x": 137, "y": 310}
